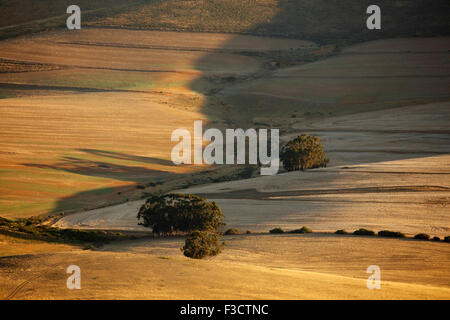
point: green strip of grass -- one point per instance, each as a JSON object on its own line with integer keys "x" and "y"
{"x": 33, "y": 228}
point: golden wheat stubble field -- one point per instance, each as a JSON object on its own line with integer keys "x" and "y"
{"x": 74, "y": 137}
{"x": 252, "y": 267}
{"x": 97, "y": 122}
{"x": 389, "y": 168}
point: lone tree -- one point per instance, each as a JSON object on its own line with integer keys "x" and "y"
{"x": 303, "y": 152}
{"x": 178, "y": 212}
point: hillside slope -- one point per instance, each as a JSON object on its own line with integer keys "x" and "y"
{"x": 320, "y": 20}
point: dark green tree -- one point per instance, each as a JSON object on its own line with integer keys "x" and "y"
{"x": 200, "y": 244}
{"x": 171, "y": 213}
{"x": 303, "y": 152}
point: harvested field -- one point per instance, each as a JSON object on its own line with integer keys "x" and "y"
{"x": 364, "y": 77}
{"x": 85, "y": 125}
{"x": 253, "y": 267}
{"x": 58, "y": 156}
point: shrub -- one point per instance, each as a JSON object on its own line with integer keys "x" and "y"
{"x": 303, "y": 152}
{"x": 178, "y": 212}
{"x": 231, "y": 231}
{"x": 364, "y": 232}
{"x": 200, "y": 244}
{"x": 32, "y": 227}
{"x": 447, "y": 239}
{"x": 5, "y": 222}
{"x": 301, "y": 230}
{"x": 341, "y": 231}
{"x": 391, "y": 234}
{"x": 436, "y": 239}
{"x": 277, "y": 230}
{"x": 247, "y": 172}
{"x": 422, "y": 236}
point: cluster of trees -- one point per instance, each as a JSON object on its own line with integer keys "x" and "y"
{"x": 303, "y": 152}
{"x": 172, "y": 213}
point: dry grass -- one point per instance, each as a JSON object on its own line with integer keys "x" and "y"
{"x": 370, "y": 76}
{"x": 58, "y": 157}
{"x": 70, "y": 152}
{"x": 85, "y": 133}
{"x": 321, "y": 20}
{"x": 246, "y": 270}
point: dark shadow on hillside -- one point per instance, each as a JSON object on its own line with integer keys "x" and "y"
{"x": 128, "y": 157}
{"x": 325, "y": 22}
{"x": 103, "y": 169}
{"x": 139, "y": 176}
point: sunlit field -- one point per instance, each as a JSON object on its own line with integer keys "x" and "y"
{"x": 86, "y": 123}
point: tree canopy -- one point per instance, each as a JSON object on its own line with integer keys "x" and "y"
{"x": 200, "y": 244}
{"x": 303, "y": 152}
{"x": 180, "y": 213}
